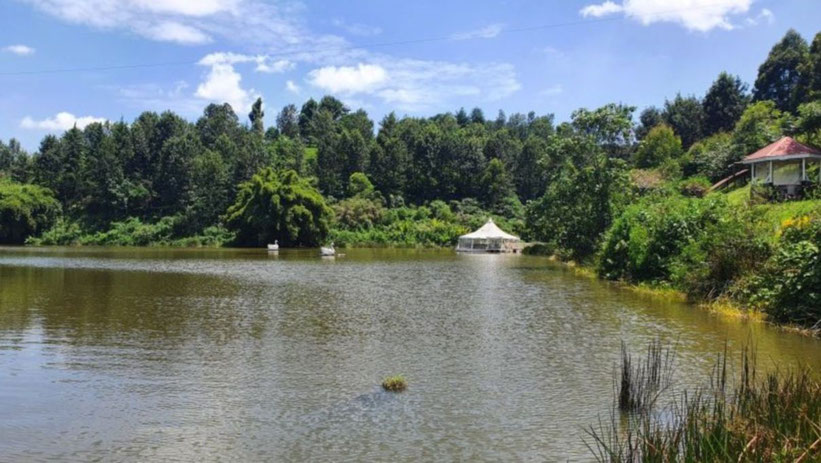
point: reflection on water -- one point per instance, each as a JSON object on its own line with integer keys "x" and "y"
{"x": 239, "y": 355}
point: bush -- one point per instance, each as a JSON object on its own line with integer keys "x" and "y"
{"x": 788, "y": 288}
{"x": 25, "y": 210}
{"x": 644, "y": 241}
{"x": 695, "y": 186}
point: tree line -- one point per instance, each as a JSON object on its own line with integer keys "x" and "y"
{"x": 562, "y": 180}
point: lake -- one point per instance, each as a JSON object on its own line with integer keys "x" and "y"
{"x": 235, "y": 355}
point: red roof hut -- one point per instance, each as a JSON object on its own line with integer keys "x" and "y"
{"x": 785, "y": 163}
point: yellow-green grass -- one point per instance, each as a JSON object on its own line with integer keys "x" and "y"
{"x": 396, "y": 383}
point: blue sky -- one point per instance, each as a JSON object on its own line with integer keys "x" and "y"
{"x": 75, "y": 61}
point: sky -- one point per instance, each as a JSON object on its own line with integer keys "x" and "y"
{"x": 67, "y": 62}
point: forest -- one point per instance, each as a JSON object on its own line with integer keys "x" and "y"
{"x": 622, "y": 190}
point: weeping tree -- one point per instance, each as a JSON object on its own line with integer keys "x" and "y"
{"x": 25, "y": 210}
{"x": 279, "y": 205}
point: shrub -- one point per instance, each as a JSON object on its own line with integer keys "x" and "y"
{"x": 695, "y": 186}
{"x": 788, "y": 288}
{"x": 25, "y": 210}
{"x": 645, "y": 240}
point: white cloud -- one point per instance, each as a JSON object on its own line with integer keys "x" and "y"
{"x": 552, "y": 90}
{"x": 697, "y": 15}
{"x": 186, "y": 7}
{"x": 263, "y": 62}
{"x": 764, "y": 16}
{"x": 21, "y": 50}
{"x": 603, "y": 9}
{"x": 292, "y": 87}
{"x": 223, "y": 85}
{"x": 487, "y": 32}
{"x": 357, "y": 29}
{"x": 61, "y": 122}
{"x": 188, "y": 22}
{"x": 346, "y": 79}
{"x": 274, "y": 67}
{"x": 417, "y": 85}
{"x": 171, "y": 31}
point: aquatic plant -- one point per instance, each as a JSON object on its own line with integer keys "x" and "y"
{"x": 641, "y": 383}
{"x": 774, "y": 418}
{"x": 396, "y": 383}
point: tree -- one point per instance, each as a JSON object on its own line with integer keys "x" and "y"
{"x": 579, "y": 204}
{"x": 809, "y": 122}
{"x": 211, "y": 190}
{"x": 686, "y": 116}
{"x": 760, "y": 124}
{"x": 462, "y": 117}
{"x": 779, "y": 77}
{"x": 217, "y": 120}
{"x": 724, "y": 103}
{"x": 660, "y": 145}
{"x": 811, "y": 71}
{"x": 390, "y": 161}
{"x": 279, "y": 205}
{"x": 306, "y": 117}
{"x": 256, "y": 115}
{"x": 649, "y": 118}
{"x": 527, "y": 169}
{"x": 713, "y": 156}
{"x": 477, "y": 116}
{"x": 496, "y": 184}
{"x": 610, "y": 127}
{"x": 25, "y": 210}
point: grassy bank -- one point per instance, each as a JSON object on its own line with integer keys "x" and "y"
{"x": 754, "y": 417}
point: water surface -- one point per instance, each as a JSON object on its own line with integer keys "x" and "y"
{"x": 235, "y": 355}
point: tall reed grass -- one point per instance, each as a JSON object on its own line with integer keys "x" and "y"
{"x": 774, "y": 417}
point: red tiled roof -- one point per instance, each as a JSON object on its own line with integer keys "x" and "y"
{"x": 785, "y": 146}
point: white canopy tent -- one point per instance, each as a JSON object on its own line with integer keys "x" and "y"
{"x": 489, "y": 238}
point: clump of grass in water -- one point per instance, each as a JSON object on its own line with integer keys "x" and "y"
{"x": 769, "y": 419}
{"x": 641, "y": 383}
{"x": 395, "y": 383}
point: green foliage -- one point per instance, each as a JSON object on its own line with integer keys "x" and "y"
{"x": 686, "y": 116}
{"x": 279, "y": 205}
{"x": 760, "y": 124}
{"x": 713, "y": 156}
{"x": 724, "y": 103}
{"x": 661, "y": 144}
{"x": 780, "y": 78}
{"x": 694, "y": 186}
{"x": 579, "y": 205}
{"x": 808, "y": 124}
{"x": 789, "y": 286}
{"x": 132, "y": 232}
{"x": 25, "y": 210}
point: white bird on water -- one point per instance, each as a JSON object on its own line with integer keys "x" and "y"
{"x": 328, "y": 251}
{"x": 274, "y": 247}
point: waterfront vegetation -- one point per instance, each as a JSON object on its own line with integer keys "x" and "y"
{"x": 396, "y": 383}
{"x": 627, "y": 199}
{"x": 752, "y": 417}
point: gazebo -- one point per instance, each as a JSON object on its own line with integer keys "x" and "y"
{"x": 489, "y": 238}
{"x": 785, "y": 164}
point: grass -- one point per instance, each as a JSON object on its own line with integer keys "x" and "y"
{"x": 772, "y": 417}
{"x": 642, "y": 382}
{"x": 396, "y": 383}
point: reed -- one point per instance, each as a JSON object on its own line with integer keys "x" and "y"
{"x": 642, "y": 382}
{"x": 774, "y": 417}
